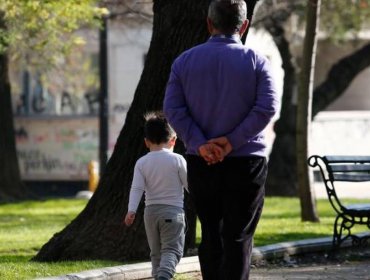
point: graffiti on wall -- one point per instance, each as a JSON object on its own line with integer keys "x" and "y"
{"x": 56, "y": 149}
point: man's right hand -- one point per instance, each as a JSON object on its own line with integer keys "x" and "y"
{"x": 223, "y": 143}
{"x": 211, "y": 153}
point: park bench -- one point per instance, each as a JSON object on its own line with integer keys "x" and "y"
{"x": 345, "y": 169}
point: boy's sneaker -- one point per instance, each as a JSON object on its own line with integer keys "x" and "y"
{"x": 162, "y": 278}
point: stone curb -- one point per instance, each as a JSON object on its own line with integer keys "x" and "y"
{"x": 291, "y": 248}
{"x": 127, "y": 272}
{"x": 191, "y": 264}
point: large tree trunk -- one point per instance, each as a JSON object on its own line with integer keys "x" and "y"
{"x": 282, "y": 177}
{"x": 11, "y": 187}
{"x": 98, "y": 232}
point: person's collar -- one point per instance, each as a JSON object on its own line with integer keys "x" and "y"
{"x": 161, "y": 149}
{"x": 225, "y": 38}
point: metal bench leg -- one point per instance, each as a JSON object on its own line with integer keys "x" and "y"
{"x": 337, "y": 233}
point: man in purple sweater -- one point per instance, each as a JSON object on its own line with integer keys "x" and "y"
{"x": 219, "y": 98}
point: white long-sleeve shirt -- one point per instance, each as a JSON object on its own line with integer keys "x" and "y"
{"x": 162, "y": 175}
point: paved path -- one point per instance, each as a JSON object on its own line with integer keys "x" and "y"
{"x": 347, "y": 271}
{"x": 189, "y": 266}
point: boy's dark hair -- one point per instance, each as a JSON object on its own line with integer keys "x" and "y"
{"x": 156, "y": 129}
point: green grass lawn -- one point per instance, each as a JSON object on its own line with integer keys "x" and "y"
{"x": 281, "y": 221}
{"x": 26, "y": 226}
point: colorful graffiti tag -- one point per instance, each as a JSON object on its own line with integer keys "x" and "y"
{"x": 56, "y": 149}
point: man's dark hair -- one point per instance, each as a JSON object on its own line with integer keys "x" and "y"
{"x": 157, "y": 130}
{"x": 227, "y": 15}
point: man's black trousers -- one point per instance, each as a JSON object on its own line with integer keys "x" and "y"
{"x": 228, "y": 197}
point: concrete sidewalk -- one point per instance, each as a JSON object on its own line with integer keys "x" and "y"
{"x": 343, "y": 271}
{"x": 191, "y": 264}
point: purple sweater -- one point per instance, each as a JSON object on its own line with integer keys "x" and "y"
{"x": 221, "y": 88}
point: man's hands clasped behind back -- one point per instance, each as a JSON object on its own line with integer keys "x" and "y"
{"x": 215, "y": 150}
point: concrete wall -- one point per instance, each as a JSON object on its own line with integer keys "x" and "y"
{"x": 127, "y": 50}
{"x": 341, "y": 133}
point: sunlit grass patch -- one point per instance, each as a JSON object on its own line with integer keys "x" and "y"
{"x": 26, "y": 226}
{"x": 281, "y": 221}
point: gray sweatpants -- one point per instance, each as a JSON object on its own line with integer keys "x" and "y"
{"x": 164, "y": 226}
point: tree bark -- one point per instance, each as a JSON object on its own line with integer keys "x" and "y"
{"x": 282, "y": 176}
{"x": 98, "y": 232}
{"x": 11, "y": 187}
{"x": 304, "y": 109}
{"x": 251, "y": 4}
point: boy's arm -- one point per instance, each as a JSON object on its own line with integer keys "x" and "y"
{"x": 183, "y": 173}
{"x": 135, "y": 197}
{"x": 136, "y": 192}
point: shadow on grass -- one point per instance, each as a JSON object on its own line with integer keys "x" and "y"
{"x": 34, "y": 220}
{"x": 263, "y": 239}
{"x": 14, "y": 259}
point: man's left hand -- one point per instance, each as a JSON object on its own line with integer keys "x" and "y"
{"x": 224, "y": 143}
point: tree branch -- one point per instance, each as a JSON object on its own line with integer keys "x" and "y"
{"x": 339, "y": 78}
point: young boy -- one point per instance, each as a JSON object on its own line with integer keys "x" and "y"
{"x": 161, "y": 174}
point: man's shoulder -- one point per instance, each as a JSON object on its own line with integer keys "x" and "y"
{"x": 205, "y": 47}
{"x": 256, "y": 53}
{"x": 192, "y": 50}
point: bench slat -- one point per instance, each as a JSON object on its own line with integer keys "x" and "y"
{"x": 350, "y": 167}
{"x": 343, "y": 159}
{"x": 351, "y": 178}
{"x": 359, "y": 207}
